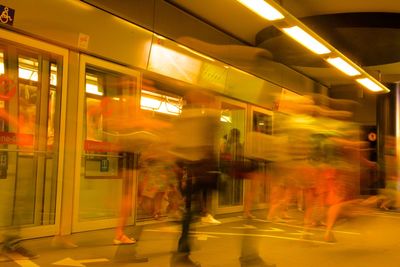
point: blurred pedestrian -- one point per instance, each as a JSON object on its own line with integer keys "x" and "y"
{"x": 195, "y": 145}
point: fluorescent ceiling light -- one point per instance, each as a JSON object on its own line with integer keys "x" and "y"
{"x": 307, "y": 40}
{"x": 262, "y": 8}
{"x": 369, "y": 84}
{"x": 343, "y": 66}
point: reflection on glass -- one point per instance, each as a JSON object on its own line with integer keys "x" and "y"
{"x": 262, "y": 123}
{"x": 160, "y": 103}
{"x": 51, "y": 106}
{"x": 1, "y": 63}
{"x": 231, "y": 188}
{"x": 94, "y": 119}
{"x": 174, "y": 64}
{"x": 28, "y": 94}
{"x": 93, "y": 85}
{"x": 28, "y": 68}
{"x": 53, "y": 74}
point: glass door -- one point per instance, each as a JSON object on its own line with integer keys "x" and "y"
{"x": 158, "y": 193}
{"x": 106, "y": 168}
{"x": 233, "y": 121}
{"x": 30, "y": 126}
{"x": 261, "y": 122}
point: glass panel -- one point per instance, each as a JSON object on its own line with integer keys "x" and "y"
{"x": 28, "y": 68}
{"x": 110, "y": 105}
{"x": 51, "y": 106}
{"x": 158, "y": 194}
{"x": 6, "y": 185}
{"x": 53, "y": 74}
{"x": 232, "y": 138}
{"x": 28, "y": 102}
{"x": 28, "y": 135}
{"x": 1, "y": 62}
{"x": 160, "y": 103}
{"x": 50, "y": 186}
{"x": 262, "y": 123}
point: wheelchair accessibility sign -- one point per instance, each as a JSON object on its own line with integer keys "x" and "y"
{"x": 6, "y": 15}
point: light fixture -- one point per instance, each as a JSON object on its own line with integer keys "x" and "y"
{"x": 343, "y": 66}
{"x": 369, "y": 84}
{"x": 196, "y": 53}
{"x": 263, "y": 9}
{"x": 160, "y": 103}
{"x": 290, "y": 25}
{"x": 306, "y": 40}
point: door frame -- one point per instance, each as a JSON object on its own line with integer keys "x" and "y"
{"x": 265, "y": 111}
{"x": 31, "y": 43}
{"x": 215, "y": 198}
{"x": 79, "y": 226}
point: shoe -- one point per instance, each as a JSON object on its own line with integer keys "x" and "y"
{"x": 124, "y": 240}
{"x": 209, "y": 219}
{"x": 24, "y": 252}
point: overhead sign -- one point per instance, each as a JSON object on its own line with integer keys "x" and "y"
{"x": 6, "y": 15}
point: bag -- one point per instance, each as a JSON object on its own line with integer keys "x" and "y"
{"x": 240, "y": 168}
{"x": 205, "y": 174}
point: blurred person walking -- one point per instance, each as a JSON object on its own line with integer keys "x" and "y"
{"x": 133, "y": 132}
{"x": 195, "y": 146}
{"x": 245, "y": 162}
{"x": 156, "y": 177}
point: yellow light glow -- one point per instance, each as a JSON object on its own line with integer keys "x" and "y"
{"x": 306, "y": 40}
{"x": 262, "y": 8}
{"x": 160, "y": 103}
{"x": 174, "y": 64}
{"x": 93, "y": 89}
{"x": 196, "y": 53}
{"x": 1, "y": 63}
{"x": 369, "y": 84}
{"x": 343, "y": 66}
{"x": 156, "y": 105}
{"x": 27, "y": 74}
{"x": 53, "y": 74}
{"x": 225, "y": 118}
{"x": 160, "y": 37}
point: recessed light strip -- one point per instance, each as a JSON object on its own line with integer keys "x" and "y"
{"x": 306, "y": 40}
{"x": 263, "y": 9}
{"x": 343, "y": 66}
{"x": 369, "y": 84}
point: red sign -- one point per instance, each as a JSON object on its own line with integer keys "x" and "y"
{"x": 16, "y": 139}
{"x": 96, "y": 146}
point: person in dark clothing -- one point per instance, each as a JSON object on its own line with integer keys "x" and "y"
{"x": 195, "y": 147}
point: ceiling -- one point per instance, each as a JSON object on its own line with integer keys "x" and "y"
{"x": 366, "y": 31}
